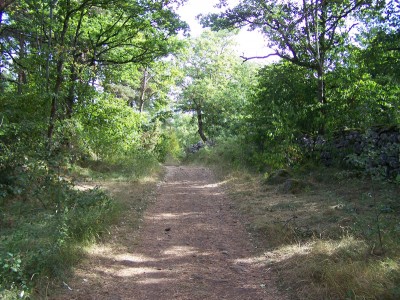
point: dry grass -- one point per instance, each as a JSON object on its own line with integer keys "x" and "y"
{"x": 323, "y": 242}
{"x": 132, "y": 197}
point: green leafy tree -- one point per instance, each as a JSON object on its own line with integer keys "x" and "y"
{"x": 65, "y": 46}
{"x": 213, "y": 86}
{"x": 365, "y": 87}
{"x": 380, "y": 40}
{"x": 109, "y": 128}
{"x": 282, "y": 108}
{"x": 144, "y": 88}
{"x": 306, "y": 33}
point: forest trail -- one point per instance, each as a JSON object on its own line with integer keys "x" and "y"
{"x": 190, "y": 246}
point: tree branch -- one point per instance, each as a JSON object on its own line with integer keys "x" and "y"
{"x": 259, "y": 57}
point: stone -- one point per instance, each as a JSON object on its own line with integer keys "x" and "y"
{"x": 294, "y": 186}
{"x": 278, "y": 177}
{"x": 378, "y": 146}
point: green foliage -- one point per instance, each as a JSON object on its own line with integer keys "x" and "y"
{"x": 111, "y": 131}
{"x": 144, "y": 88}
{"x": 327, "y": 83}
{"x": 54, "y": 54}
{"x": 22, "y": 120}
{"x": 109, "y": 128}
{"x": 228, "y": 153}
{"x": 168, "y": 145}
{"x": 282, "y": 108}
{"x": 13, "y": 282}
{"x": 185, "y": 129}
{"x": 216, "y": 84}
{"x": 42, "y": 228}
{"x": 285, "y": 100}
{"x": 361, "y": 98}
{"x": 134, "y": 167}
{"x": 305, "y": 33}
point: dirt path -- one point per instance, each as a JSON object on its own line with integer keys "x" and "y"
{"x": 191, "y": 246}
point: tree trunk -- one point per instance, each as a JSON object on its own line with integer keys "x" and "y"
{"x": 321, "y": 86}
{"x": 143, "y": 88}
{"x": 74, "y": 72}
{"x": 1, "y": 71}
{"x": 321, "y": 100}
{"x": 71, "y": 93}
{"x": 200, "y": 125}
{"x": 48, "y": 58}
{"x": 59, "y": 80}
{"x": 53, "y": 110}
{"x": 21, "y": 72}
{"x": 1, "y": 81}
{"x": 321, "y": 55}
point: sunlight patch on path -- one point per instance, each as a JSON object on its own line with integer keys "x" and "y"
{"x": 168, "y": 216}
{"x": 190, "y": 247}
{"x": 180, "y": 251}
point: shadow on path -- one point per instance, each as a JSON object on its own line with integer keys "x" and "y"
{"x": 191, "y": 246}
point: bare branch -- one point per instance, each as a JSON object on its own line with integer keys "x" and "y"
{"x": 259, "y": 57}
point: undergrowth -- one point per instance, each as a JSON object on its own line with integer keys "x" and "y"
{"x": 45, "y": 220}
{"x": 125, "y": 168}
{"x": 338, "y": 237}
{"x": 42, "y": 230}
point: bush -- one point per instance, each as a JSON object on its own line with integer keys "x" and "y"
{"x": 168, "y": 145}
{"x": 109, "y": 128}
{"x": 42, "y": 229}
{"x": 227, "y": 152}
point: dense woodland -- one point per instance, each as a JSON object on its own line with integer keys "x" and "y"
{"x": 120, "y": 86}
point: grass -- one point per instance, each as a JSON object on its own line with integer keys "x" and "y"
{"x": 42, "y": 234}
{"x": 129, "y": 168}
{"x": 337, "y": 269}
{"x": 338, "y": 238}
{"x": 337, "y": 224}
{"x": 45, "y": 228}
{"x": 132, "y": 197}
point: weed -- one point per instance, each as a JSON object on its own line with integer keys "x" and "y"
{"x": 44, "y": 228}
{"x": 126, "y": 168}
{"x": 339, "y": 238}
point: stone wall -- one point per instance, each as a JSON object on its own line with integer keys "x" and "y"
{"x": 199, "y": 145}
{"x": 374, "y": 150}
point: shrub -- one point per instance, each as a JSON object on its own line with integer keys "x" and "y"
{"x": 43, "y": 229}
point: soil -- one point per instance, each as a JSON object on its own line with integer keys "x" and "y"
{"x": 191, "y": 245}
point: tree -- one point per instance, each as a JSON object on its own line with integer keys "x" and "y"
{"x": 209, "y": 68}
{"x": 380, "y": 41}
{"x": 65, "y": 46}
{"x": 366, "y": 85}
{"x": 118, "y": 33}
{"x": 283, "y": 106}
{"x": 308, "y": 33}
{"x": 3, "y": 6}
{"x": 145, "y": 88}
